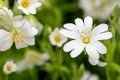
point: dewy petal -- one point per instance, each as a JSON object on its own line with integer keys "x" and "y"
{"x": 88, "y": 21}
{"x": 77, "y": 51}
{"x": 80, "y": 24}
{"x": 68, "y": 33}
{"x": 92, "y": 52}
{"x": 103, "y": 36}
{"x": 93, "y": 61}
{"x": 102, "y": 64}
{"x": 99, "y": 29}
{"x": 100, "y": 47}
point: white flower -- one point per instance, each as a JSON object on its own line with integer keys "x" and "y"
{"x": 56, "y": 38}
{"x": 28, "y": 6}
{"x": 88, "y": 76}
{"x": 9, "y": 67}
{"x": 99, "y": 9}
{"x": 85, "y": 38}
{"x": 31, "y": 59}
{"x": 22, "y": 37}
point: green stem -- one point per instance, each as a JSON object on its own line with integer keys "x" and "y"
{"x": 6, "y": 77}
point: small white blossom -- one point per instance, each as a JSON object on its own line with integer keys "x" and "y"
{"x": 56, "y": 38}
{"x": 28, "y": 6}
{"x": 9, "y": 67}
{"x": 84, "y": 38}
{"x": 22, "y": 37}
{"x": 31, "y": 59}
{"x": 88, "y": 76}
{"x": 100, "y": 9}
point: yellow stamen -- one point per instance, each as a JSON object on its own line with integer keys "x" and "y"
{"x": 57, "y": 38}
{"x": 25, "y": 3}
{"x": 86, "y": 40}
{"x": 9, "y": 67}
{"x": 33, "y": 58}
{"x": 17, "y": 37}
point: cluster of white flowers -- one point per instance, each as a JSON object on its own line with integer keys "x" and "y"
{"x": 86, "y": 39}
{"x": 16, "y": 29}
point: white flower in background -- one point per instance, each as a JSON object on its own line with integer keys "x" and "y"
{"x": 84, "y": 38}
{"x": 32, "y": 58}
{"x": 88, "y": 76}
{"x": 28, "y": 6}
{"x": 9, "y": 67}
{"x": 100, "y": 9}
{"x": 22, "y": 37}
{"x": 56, "y": 38}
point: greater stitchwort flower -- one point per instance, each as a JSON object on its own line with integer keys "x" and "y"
{"x": 22, "y": 37}
{"x": 56, "y": 38}
{"x": 9, "y": 67}
{"x": 84, "y": 38}
{"x": 28, "y": 6}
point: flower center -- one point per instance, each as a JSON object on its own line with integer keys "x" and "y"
{"x": 33, "y": 58}
{"x": 17, "y": 37}
{"x": 85, "y": 36}
{"x": 9, "y": 67}
{"x": 25, "y": 3}
{"x": 58, "y": 38}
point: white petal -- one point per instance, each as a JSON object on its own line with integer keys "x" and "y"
{"x": 28, "y": 30}
{"x": 69, "y": 34}
{"x": 20, "y": 45}
{"x": 103, "y": 36}
{"x": 5, "y": 40}
{"x": 93, "y": 61}
{"x": 88, "y": 23}
{"x": 80, "y": 24}
{"x": 37, "y": 4}
{"x": 99, "y": 29}
{"x": 70, "y": 45}
{"x": 102, "y": 64}
{"x": 92, "y": 52}
{"x": 32, "y": 10}
{"x": 77, "y": 50}
{"x": 7, "y": 44}
{"x": 30, "y": 41}
{"x": 70, "y": 26}
{"x": 99, "y": 47}
{"x": 94, "y": 77}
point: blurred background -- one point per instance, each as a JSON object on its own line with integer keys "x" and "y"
{"x": 54, "y": 63}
